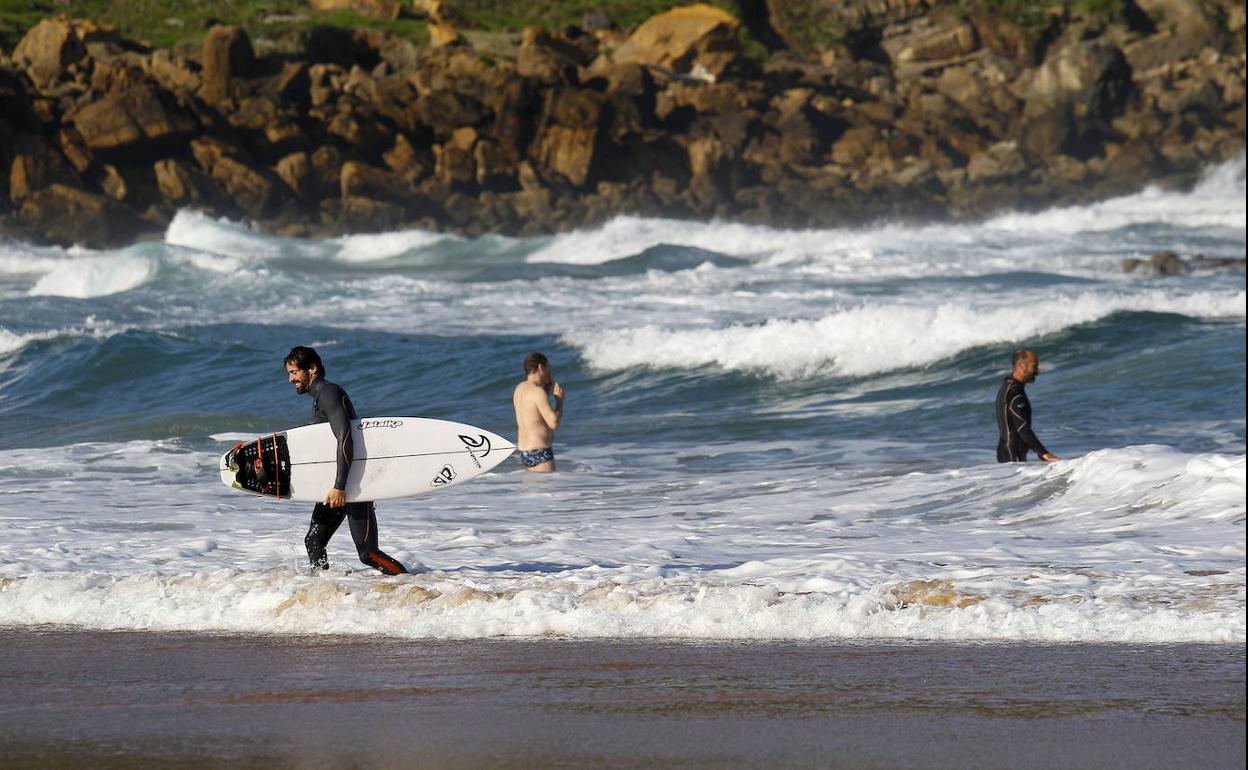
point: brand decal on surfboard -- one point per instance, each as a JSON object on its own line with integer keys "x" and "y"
{"x": 444, "y": 477}
{"x": 366, "y": 424}
{"x": 480, "y": 442}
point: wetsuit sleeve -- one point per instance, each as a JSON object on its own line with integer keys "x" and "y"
{"x": 334, "y": 405}
{"x": 1020, "y": 410}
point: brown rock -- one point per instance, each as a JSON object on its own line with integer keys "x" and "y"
{"x": 249, "y": 188}
{"x": 47, "y": 49}
{"x": 454, "y": 161}
{"x": 181, "y": 184}
{"x": 296, "y": 171}
{"x": 362, "y": 181}
{"x": 1161, "y": 263}
{"x": 361, "y": 214}
{"x": 567, "y": 134}
{"x": 933, "y": 37}
{"x": 227, "y": 55}
{"x": 75, "y": 150}
{"x": 113, "y": 183}
{"x": 326, "y": 171}
{"x": 141, "y": 114}
{"x": 814, "y": 27}
{"x": 66, "y": 215}
{"x": 36, "y": 164}
{"x": 1091, "y": 75}
{"x": 387, "y": 10}
{"x": 683, "y": 39}
{"x": 404, "y": 160}
{"x": 495, "y": 165}
{"x": 172, "y": 72}
{"x": 443, "y": 34}
{"x": 1002, "y": 161}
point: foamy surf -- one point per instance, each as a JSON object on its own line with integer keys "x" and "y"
{"x": 877, "y": 338}
{"x": 770, "y": 434}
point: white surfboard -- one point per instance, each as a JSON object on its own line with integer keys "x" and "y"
{"x": 392, "y": 457}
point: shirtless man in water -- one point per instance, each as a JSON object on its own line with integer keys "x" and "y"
{"x": 536, "y": 422}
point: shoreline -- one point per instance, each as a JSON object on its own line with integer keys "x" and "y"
{"x": 111, "y": 699}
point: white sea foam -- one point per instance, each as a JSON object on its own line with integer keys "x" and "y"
{"x": 1218, "y": 201}
{"x": 95, "y": 276}
{"x": 1142, "y": 544}
{"x": 11, "y": 342}
{"x": 874, "y": 338}
{"x": 197, "y": 231}
{"x": 382, "y": 246}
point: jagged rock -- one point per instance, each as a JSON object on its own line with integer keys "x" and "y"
{"x": 141, "y": 114}
{"x": 363, "y": 181}
{"x": 443, "y": 34}
{"x": 47, "y": 49}
{"x": 934, "y": 37}
{"x": 548, "y": 58}
{"x": 814, "y": 27}
{"x": 567, "y": 134}
{"x": 35, "y": 165}
{"x": 251, "y": 189}
{"x": 454, "y": 162}
{"x": 1183, "y": 28}
{"x": 1048, "y": 133}
{"x": 404, "y": 160}
{"x": 387, "y": 10}
{"x": 296, "y": 171}
{"x": 1092, "y": 76}
{"x": 181, "y": 184}
{"x": 75, "y": 150}
{"x": 67, "y": 215}
{"x": 227, "y": 54}
{"x": 682, "y": 39}
{"x": 495, "y": 165}
{"x": 172, "y": 73}
{"x": 1161, "y": 263}
{"x": 1001, "y": 162}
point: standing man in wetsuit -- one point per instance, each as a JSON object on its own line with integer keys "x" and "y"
{"x": 331, "y": 404}
{"x": 1014, "y": 413}
{"x": 536, "y": 422}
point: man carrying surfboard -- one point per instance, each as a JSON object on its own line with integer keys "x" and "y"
{"x": 331, "y": 404}
{"x": 536, "y": 421}
{"x": 1014, "y": 412}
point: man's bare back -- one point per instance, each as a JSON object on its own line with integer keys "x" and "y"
{"x": 536, "y": 420}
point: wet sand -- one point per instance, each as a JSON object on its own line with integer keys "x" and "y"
{"x": 83, "y": 699}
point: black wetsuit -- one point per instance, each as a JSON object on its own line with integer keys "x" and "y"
{"x": 1014, "y": 424}
{"x": 331, "y": 404}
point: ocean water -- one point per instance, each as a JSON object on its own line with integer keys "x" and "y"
{"x": 769, "y": 434}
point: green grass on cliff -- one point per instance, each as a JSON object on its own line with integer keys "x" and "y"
{"x": 165, "y": 23}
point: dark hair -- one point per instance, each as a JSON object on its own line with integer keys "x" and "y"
{"x": 305, "y": 358}
{"x": 533, "y": 360}
{"x": 1020, "y": 355}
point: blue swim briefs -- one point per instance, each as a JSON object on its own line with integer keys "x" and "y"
{"x": 537, "y": 457}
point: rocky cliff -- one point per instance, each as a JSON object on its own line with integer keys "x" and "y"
{"x": 868, "y": 108}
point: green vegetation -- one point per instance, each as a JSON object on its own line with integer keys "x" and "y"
{"x": 815, "y": 26}
{"x": 169, "y": 22}
{"x": 515, "y": 15}
{"x": 165, "y": 23}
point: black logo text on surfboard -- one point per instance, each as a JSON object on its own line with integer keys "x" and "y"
{"x": 366, "y": 424}
{"x": 444, "y": 477}
{"x": 473, "y": 445}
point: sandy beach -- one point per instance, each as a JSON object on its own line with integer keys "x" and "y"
{"x": 71, "y": 698}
